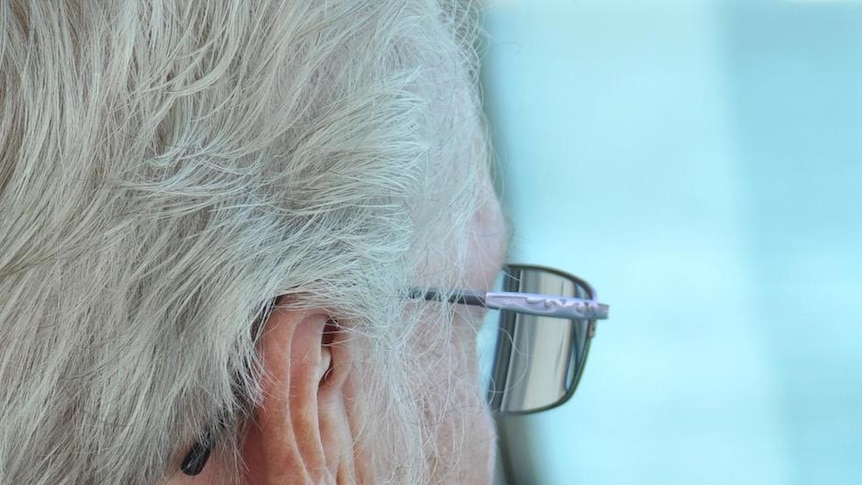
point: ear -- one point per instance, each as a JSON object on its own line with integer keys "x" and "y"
{"x": 300, "y": 432}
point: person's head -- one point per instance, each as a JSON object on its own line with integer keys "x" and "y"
{"x": 210, "y": 215}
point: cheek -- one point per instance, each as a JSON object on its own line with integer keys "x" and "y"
{"x": 464, "y": 436}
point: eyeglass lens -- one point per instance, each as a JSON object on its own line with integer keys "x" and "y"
{"x": 532, "y": 363}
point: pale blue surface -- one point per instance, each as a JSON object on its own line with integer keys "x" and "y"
{"x": 701, "y": 164}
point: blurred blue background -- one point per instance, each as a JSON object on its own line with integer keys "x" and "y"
{"x": 699, "y": 162}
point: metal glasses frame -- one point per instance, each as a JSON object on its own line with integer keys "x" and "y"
{"x": 553, "y": 306}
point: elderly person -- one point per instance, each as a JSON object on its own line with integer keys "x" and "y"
{"x": 230, "y": 238}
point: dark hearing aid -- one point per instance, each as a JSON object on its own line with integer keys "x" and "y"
{"x": 197, "y": 458}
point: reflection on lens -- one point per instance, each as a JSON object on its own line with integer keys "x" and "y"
{"x": 487, "y": 345}
{"x": 530, "y": 363}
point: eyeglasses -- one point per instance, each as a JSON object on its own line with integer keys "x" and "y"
{"x": 538, "y": 333}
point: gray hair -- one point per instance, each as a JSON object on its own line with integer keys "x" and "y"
{"x": 167, "y": 169}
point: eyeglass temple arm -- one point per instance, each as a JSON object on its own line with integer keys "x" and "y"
{"x": 529, "y": 303}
